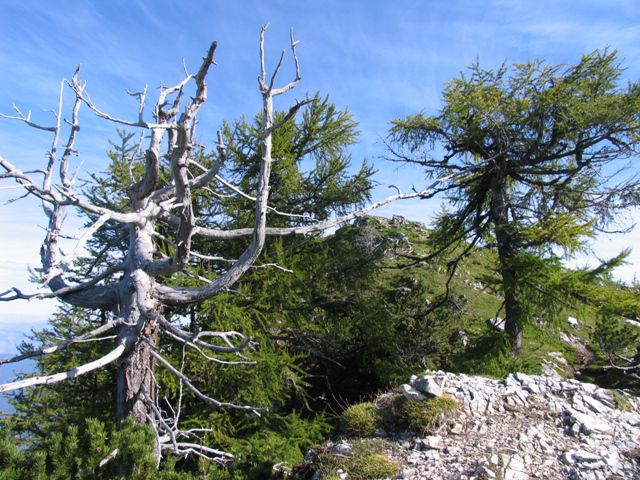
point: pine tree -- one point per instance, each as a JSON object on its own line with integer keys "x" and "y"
{"x": 532, "y": 157}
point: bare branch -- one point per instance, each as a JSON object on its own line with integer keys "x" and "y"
{"x": 276, "y": 70}
{"x": 211, "y": 401}
{"x": 75, "y": 127}
{"x": 292, "y": 112}
{"x": 201, "y": 180}
{"x": 263, "y": 71}
{"x": 195, "y": 337}
{"x": 108, "y": 458}
{"x": 186, "y": 448}
{"x": 141, "y": 101}
{"x": 217, "y": 234}
{"x": 87, "y": 294}
{"x": 68, "y": 375}
{"x": 26, "y": 119}
{"x": 66, "y": 262}
{"x": 138, "y": 124}
{"x": 62, "y": 345}
{"x": 25, "y": 182}
{"x": 201, "y": 352}
{"x": 184, "y": 295}
{"x": 253, "y": 199}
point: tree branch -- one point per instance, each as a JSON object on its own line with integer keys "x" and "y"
{"x": 68, "y": 375}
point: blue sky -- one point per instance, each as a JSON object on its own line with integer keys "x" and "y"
{"x": 380, "y": 59}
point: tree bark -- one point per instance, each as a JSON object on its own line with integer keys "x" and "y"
{"x": 140, "y": 331}
{"x": 507, "y": 252}
{"x": 135, "y": 378}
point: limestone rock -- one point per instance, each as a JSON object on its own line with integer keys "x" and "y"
{"x": 411, "y": 393}
{"x": 522, "y": 427}
{"x": 496, "y": 323}
{"x": 426, "y": 384}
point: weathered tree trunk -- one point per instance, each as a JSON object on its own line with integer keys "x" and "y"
{"x": 134, "y": 386}
{"x": 132, "y": 287}
{"x": 507, "y": 252}
{"x": 135, "y": 379}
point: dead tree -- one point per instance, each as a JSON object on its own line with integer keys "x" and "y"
{"x": 136, "y": 291}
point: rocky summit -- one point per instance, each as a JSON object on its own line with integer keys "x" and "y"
{"x": 525, "y": 426}
{"x": 521, "y": 427}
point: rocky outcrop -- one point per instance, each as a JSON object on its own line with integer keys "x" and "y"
{"x": 523, "y": 427}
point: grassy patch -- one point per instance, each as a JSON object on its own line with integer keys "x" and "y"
{"x": 622, "y": 403}
{"x": 426, "y": 415}
{"x": 395, "y": 413}
{"x": 476, "y": 291}
{"x": 368, "y": 461}
{"x": 361, "y": 419}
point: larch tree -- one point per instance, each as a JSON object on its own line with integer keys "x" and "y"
{"x": 535, "y": 157}
{"x": 158, "y": 228}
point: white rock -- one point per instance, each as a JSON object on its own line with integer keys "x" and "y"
{"x": 409, "y": 473}
{"x": 589, "y": 423}
{"x": 496, "y": 323}
{"x": 573, "y": 321}
{"x": 427, "y": 384}
{"x": 457, "y": 429}
{"x": 340, "y": 448}
{"x": 595, "y": 405}
{"x": 605, "y": 397}
{"x": 432, "y": 455}
{"x": 584, "y": 456}
{"x": 613, "y": 460}
{"x": 432, "y": 442}
{"x": 510, "y": 474}
{"x": 516, "y": 463}
{"x": 568, "y": 458}
{"x": 484, "y": 472}
{"x": 411, "y": 393}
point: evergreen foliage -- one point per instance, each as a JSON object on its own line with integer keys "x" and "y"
{"x": 528, "y": 153}
{"x": 312, "y": 169}
{"x": 89, "y": 452}
{"x": 334, "y": 319}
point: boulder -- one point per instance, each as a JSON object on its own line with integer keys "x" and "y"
{"x": 426, "y": 384}
{"x": 411, "y": 393}
{"x": 496, "y": 323}
{"x": 573, "y": 321}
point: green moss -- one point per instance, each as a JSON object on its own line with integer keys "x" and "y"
{"x": 367, "y": 462}
{"x": 361, "y": 419}
{"x": 622, "y": 402}
{"x": 371, "y": 466}
{"x": 428, "y": 414}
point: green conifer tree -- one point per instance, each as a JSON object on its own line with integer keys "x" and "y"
{"x": 532, "y": 156}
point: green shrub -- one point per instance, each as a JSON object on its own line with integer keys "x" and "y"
{"x": 371, "y": 466}
{"x": 394, "y": 413}
{"x": 622, "y": 403}
{"x": 427, "y": 414}
{"x": 361, "y": 419}
{"x": 398, "y": 413}
{"x": 367, "y": 462}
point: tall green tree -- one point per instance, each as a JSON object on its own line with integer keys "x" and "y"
{"x": 314, "y": 169}
{"x": 150, "y": 275}
{"x": 533, "y": 157}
